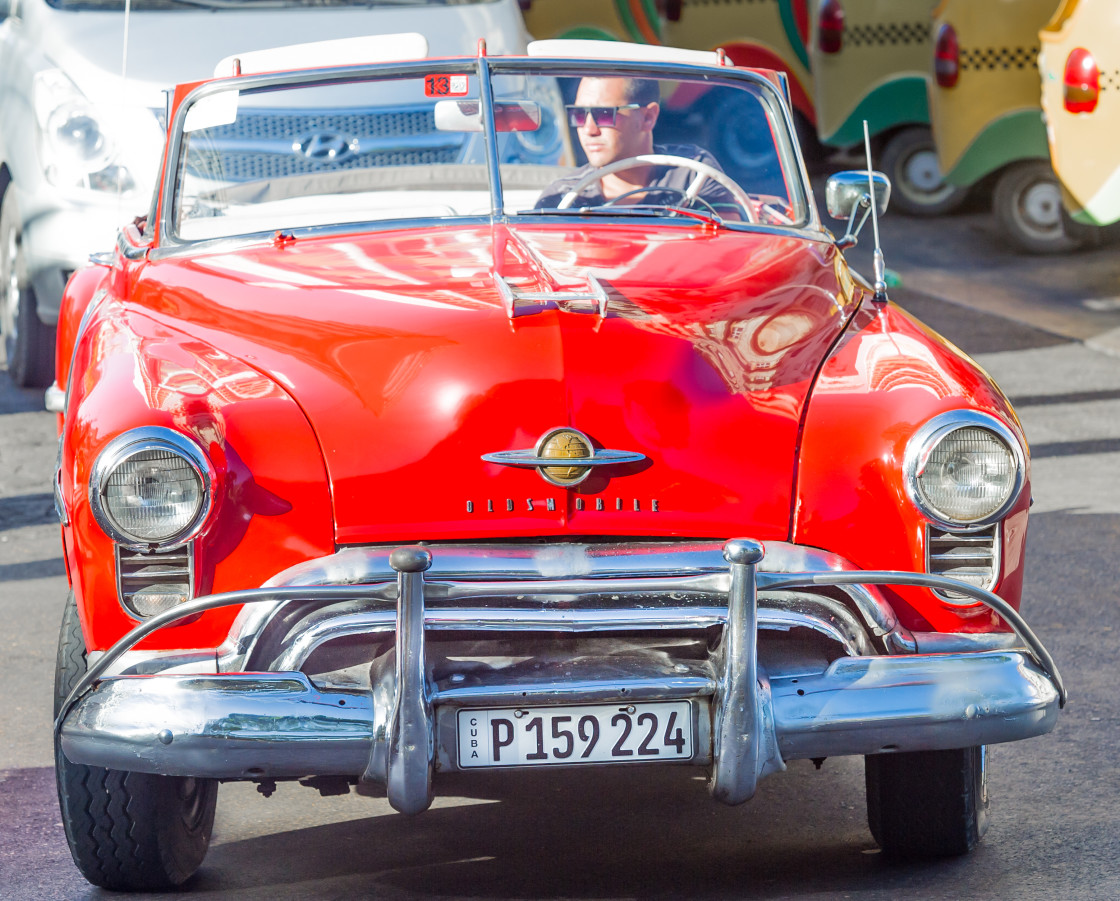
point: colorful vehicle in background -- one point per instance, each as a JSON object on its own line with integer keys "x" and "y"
{"x": 870, "y": 61}
{"x": 987, "y": 117}
{"x": 1079, "y": 64}
{"x": 770, "y": 35}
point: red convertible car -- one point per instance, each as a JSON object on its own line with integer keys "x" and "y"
{"x": 458, "y": 414}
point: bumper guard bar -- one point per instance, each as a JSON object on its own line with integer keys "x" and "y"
{"x": 749, "y": 724}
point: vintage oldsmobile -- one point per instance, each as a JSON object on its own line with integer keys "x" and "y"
{"x": 406, "y": 444}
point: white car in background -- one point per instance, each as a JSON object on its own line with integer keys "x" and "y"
{"x": 81, "y": 120}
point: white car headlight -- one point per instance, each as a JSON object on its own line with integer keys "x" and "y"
{"x": 74, "y": 145}
{"x": 964, "y": 469}
{"x": 151, "y": 487}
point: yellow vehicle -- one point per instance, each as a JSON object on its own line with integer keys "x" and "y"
{"x": 1078, "y": 63}
{"x": 871, "y": 61}
{"x": 987, "y": 115}
{"x": 769, "y": 35}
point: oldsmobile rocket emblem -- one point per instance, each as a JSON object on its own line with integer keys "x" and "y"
{"x": 563, "y": 457}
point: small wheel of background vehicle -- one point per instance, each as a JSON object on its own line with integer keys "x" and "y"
{"x": 927, "y": 803}
{"x": 1027, "y": 202}
{"x": 127, "y": 831}
{"x": 909, "y": 158}
{"x": 28, "y": 343}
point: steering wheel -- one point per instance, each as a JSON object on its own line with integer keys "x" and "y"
{"x": 685, "y": 199}
{"x": 703, "y": 170}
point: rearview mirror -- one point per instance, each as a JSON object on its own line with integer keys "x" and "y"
{"x": 466, "y": 115}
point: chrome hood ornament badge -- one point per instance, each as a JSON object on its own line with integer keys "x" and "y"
{"x": 563, "y": 457}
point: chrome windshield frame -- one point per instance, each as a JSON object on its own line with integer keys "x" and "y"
{"x": 484, "y": 68}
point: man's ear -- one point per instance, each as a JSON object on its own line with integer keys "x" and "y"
{"x": 650, "y": 113}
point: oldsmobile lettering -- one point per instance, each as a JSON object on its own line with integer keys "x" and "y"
{"x": 590, "y": 504}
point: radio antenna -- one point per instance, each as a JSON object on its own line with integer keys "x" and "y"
{"x": 878, "y": 262}
{"x": 124, "y": 47}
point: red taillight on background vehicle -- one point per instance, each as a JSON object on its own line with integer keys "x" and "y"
{"x": 830, "y": 27}
{"x": 1081, "y": 83}
{"x": 947, "y": 57}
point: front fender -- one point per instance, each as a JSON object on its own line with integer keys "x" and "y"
{"x": 271, "y": 507}
{"x": 885, "y": 378}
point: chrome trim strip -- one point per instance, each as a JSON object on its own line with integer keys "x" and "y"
{"x": 483, "y": 67}
{"x": 581, "y": 691}
{"x": 528, "y": 458}
{"x": 241, "y": 642}
{"x": 486, "y": 98}
{"x": 298, "y": 651}
{"x": 994, "y": 558}
{"x": 271, "y": 725}
{"x": 188, "y": 573}
{"x": 993, "y": 601}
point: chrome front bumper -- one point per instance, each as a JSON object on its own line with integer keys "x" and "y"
{"x": 278, "y": 724}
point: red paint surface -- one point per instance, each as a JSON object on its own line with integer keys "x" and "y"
{"x": 346, "y": 387}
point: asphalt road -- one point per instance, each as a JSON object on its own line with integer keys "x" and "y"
{"x": 1046, "y": 329}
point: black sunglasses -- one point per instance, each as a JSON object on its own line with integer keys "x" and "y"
{"x": 602, "y": 116}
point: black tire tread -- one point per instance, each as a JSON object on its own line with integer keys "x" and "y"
{"x": 926, "y": 804}
{"x": 119, "y": 824}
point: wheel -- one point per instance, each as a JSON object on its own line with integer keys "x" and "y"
{"x": 703, "y": 171}
{"x": 927, "y": 803}
{"x": 127, "y": 831}
{"x": 909, "y": 159}
{"x": 1027, "y": 201}
{"x": 28, "y": 343}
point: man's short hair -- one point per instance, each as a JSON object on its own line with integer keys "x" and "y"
{"x": 642, "y": 90}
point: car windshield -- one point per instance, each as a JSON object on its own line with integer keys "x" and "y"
{"x": 273, "y": 154}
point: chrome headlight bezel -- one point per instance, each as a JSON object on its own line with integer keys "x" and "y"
{"x": 930, "y": 435}
{"x": 133, "y": 442}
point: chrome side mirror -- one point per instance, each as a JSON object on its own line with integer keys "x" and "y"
{"x": 847, "y": 193}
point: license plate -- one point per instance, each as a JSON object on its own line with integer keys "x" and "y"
{"x": 600, "y": 733}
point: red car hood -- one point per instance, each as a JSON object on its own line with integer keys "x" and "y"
{"x": 400, "y": 349}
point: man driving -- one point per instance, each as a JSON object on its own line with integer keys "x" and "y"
{"x": 615, "y": 118}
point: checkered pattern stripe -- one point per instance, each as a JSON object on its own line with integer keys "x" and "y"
{"x": 887, "y": 33}
{"x": 990, "y": 58}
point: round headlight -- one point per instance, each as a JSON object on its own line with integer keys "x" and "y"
{"x": 150, "y": 487}
{"x": 964, "y": 469}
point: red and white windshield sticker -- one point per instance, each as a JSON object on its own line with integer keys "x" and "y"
{"x": 445, "y": 86}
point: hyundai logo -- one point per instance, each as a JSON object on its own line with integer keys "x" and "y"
{"x": 325, "y": 147}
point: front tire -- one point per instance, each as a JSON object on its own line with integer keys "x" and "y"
{"x": 1027, "y": 202}
{"x": 927, "y": 803}
{"x": 909, "y": 159}
{"x": 28, "y": 342}
{"x": 127, "y": 831}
